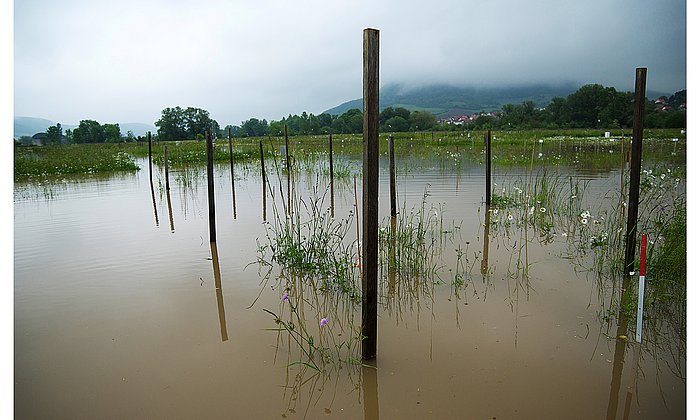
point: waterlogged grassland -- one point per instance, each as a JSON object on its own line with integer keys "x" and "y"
{"x": 587, "y": 149}
{"x": 55, "y": 161}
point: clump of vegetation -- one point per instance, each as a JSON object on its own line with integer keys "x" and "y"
{"x": 40, "y": 162}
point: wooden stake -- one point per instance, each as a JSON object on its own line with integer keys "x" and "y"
{"x": 150, "y": 158}
{"x": 233, "y": 178}
{"x": 289, "y": 171}
{"x": 370, "y": 192}
{"x": 330, "y": 163}
{"x": 635, "y": 171}
{"x": 487, "y": 140}
{"x": 264, "y": 184}
{"x": 167, "y": 177}
{"x": 210, "y": 188}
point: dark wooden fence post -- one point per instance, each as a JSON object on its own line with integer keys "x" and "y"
{"x": 167, "y": 176}
{"x": 370, "y": 191}
{"x": 150, "y": 178}
{"x": 150, "y": 158}
{"x": 289, "y": 171}
{"x": 635, "y": 170}
{"x": 392, "y": 177}
{"x": 330, "y": 163}
{"x": 210, "y": 188}
{"x": 487, "y": 140}
{"x": 264, "y": 184}
{"x": 233, "y": 182}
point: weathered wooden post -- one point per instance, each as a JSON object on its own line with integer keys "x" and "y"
{"x": 330, "y": 163}
{"x": 150, "y": 158}
{"x": 210, "y": 187}
{"x": 233, "y": 182}
{"x": 264, "y": 184}
{"x": 370, "y": 191}
{"x": 167, "y": 176}
{"x": 289, "y": 171}
{"x": 487, "y": 141}
{"x": 150, "y": 178}
{"x": 635, "y": 171}
{"x": 167, "y": 189}
{"x": 392, "y": 177}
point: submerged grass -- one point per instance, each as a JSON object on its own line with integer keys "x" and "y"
{"x": 56, "y": 161}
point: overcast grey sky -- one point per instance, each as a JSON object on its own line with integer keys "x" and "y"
{"x": 126, "y": 60}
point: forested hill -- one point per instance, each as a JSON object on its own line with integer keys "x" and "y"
{"x": 446, "y": 101}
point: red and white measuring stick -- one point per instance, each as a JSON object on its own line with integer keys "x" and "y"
{"x": 640, "y": 298}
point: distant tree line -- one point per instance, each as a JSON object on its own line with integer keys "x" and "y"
{"x": 390, "y": 119}
{"x": 88, "y": 131}
{"x": 592, "y": 106}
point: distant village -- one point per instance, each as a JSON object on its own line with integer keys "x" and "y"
{"x": 466, "y": 119}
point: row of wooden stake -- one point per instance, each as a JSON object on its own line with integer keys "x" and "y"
{"x": 370, "y": 183}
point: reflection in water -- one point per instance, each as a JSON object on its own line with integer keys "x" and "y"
{"x": 619, "y": 360}
{"x": 485, "y": 259}
{"x": 153, "y": 197}
{"x": 370, "y": 391}
{"x": 170, "y": 210}
{"x": 392, "y": 259}
{"x": 219, "y": 291}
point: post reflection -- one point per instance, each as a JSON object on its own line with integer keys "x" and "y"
{"x": 170, "y": 210}
{"x": 370, "y": 392}
{"x": 219, "y": 291}
{"x": 619, "y": 359}
{"x": 485, "y": 259}
{"x": 153, "y": 198}
{"x": 392, "y": 259}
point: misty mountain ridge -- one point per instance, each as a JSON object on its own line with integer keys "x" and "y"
{"x": 28, "y": 126}
{"x": 448, "y": 101}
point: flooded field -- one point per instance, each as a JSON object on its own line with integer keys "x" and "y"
{"x": 124, "y": 309}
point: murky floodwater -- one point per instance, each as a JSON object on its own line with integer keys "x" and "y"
{"x": 125, "y": 310}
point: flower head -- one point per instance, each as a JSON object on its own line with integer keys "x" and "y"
{"x": 285, "y": 296}
{"x": 323, "y": 322}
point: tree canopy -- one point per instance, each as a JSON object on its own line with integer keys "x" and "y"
{"x": 185, "y": 124}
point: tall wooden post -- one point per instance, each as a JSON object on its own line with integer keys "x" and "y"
{"x": 233, "y": 182}
{"x": 150, "y": 158}
{"x": 150, "y": 177}
{"x": 635, "y": 170}
{"x": 210, "y": 188}
{"x": 289, "y": 171}
{"x": 167, "y": 176}
{"x": 370, "y": 191}
{"x": 392, "y": 176}
{"x": 330, "y": 163}
{"x": 264, "y": 183}
{"x": 487, "y": 140}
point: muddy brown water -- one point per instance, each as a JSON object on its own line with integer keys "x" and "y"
{"x": 120, "y": 316}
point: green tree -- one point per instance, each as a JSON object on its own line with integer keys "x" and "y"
{"x": 112, "y": 133}
{"x": 254, "y": 127}
{"x": 172, "y": 124}
{"x": 351, "y": 122}
{"x": 89, "y": 131}
{"x": 185, "y": 124}
{"x": 422, "y": 120}
{"x": 54, "y": 134}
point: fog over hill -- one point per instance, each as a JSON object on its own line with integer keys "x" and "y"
{"x": 446, "y": 101}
